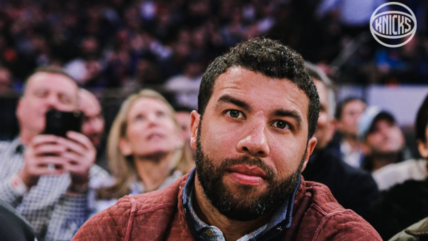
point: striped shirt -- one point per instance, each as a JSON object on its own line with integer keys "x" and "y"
{"x": 53, "y": 213}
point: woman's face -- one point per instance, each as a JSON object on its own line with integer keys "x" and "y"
{"x": 150, "y": 129}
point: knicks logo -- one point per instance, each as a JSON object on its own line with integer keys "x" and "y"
{"x": 393, "y": 28}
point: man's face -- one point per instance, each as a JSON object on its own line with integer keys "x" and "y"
{"x": 350, "y": 114}
{"x": 93, "y": 121}
{"x": 252, "y": 143}
{"x": 43, "y": 92}
{"x": 324, "y": 131}
{"x": 385, "y": 137}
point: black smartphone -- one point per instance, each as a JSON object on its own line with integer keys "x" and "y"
{"x": 60, "y": 122}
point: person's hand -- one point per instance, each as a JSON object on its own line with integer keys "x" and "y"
{"x": 80, "y": 156}
{"x": 43, "y": 156}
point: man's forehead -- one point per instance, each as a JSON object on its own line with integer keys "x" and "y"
{"x": 52, "y": 81}
{"x": 247, "y": 85}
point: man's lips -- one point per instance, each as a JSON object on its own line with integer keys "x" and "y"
{"x": 247, "y": 175}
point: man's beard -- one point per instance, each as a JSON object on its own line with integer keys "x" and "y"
{"x": 242, "y": 205}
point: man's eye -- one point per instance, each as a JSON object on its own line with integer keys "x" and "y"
{"x": 235, "y": 114}
{"x": 281, "y": 124}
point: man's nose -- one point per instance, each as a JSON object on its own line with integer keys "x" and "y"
{"x": 254, "y": 142}
{"x": 52, "y": 102}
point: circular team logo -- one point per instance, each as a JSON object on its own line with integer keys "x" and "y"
{"x": 393, "y": 28}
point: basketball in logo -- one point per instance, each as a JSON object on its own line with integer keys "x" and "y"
{"x": 393, "y": 24}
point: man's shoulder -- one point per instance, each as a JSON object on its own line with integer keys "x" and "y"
{"x": 321, "y": 197}
{"x": 324, "y": 206}
{"x": 327, "y": 218}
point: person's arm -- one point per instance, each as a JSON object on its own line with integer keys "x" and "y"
{"x": 69, "y": 214}
{"x": 75, "y": 206}
{"x": 12, "y": 190}
{"x": 110, "y": 224}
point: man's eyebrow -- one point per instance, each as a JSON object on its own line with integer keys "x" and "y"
{"x": 230, "y": 99}
{"x": 290, "y": 113}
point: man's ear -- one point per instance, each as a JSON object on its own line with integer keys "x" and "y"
{"x": 124, "y": 147}
{"x": 423, "y": 149}
{"x": 310, "y": 149}
{"x": 195, "y": 118}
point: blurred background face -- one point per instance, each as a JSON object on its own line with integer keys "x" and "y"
{"x": 43, "y": 92}
{"x": 347, "y": 124}
{"x": 183, "y": 119}
{"x": 324, "y": 131}
{"x": 385, "y": 137}
{"x": 93, "y": 121}
{"x": 150, "y": 129}
{"x": 5, "y": 80}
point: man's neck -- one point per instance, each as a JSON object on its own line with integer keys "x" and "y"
{"x": 232, "y": 229}
{"x": 352, "y": 141}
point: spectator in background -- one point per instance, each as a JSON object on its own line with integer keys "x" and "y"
{"x": 345, "y": 140}
{"x": 412, "y": 169}
{"x": 5, "y": 81}
{"x": 382, "y": 139}
{"x": 406, "y": 203}
{"x": 8, "y": 102}
{"x": 144, "y": 148}
{"x": 183, "y": 119}
{"x": 93, "y": 122}
{"x": 46, "y": 177}
{"x": 86, "y": 69}
{"x": 353, "y": 188}
{"x": 186, "y": 85}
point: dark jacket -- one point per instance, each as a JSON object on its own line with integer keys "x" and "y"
{"x": 160, "y": 215}
{"x": 13, "y": 226}
{"x": 399, "y": 207}
{"x": 353, "y": 188}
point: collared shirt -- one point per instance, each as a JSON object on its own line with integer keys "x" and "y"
{"x": 279, "y": 221}
{"x": 53, "y": 213}
{"x": 352, "y": 156}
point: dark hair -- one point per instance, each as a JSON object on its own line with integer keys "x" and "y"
{"x": 339, "y": 107}
{"x": 422, "y": 121}
{"x": 53, "y": 70}
{"x": 270, "y": 58}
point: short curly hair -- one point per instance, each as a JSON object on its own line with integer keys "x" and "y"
{"x": 270, "y": 58}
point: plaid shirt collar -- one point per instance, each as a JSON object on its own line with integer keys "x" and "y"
{"x": 280, "y": 220}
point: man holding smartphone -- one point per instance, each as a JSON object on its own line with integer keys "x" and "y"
{"x": 46, "y": 177}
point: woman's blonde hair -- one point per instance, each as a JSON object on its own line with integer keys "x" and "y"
{"x": 121, "y": 166}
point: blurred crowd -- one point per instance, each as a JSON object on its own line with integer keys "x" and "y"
{"x": 128, "y": 43}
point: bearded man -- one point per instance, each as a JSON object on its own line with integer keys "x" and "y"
{"x": 253, "y": 135}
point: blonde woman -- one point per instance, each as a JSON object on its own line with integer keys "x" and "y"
{"x": 145, "y": 151}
